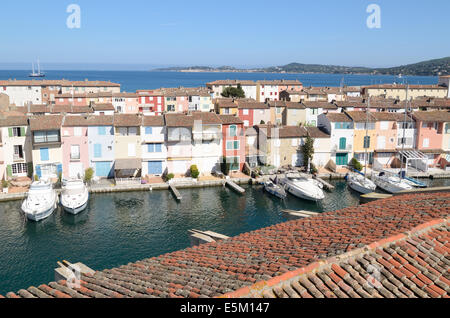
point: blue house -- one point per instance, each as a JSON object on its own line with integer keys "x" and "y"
{"x": 101, "y": 145}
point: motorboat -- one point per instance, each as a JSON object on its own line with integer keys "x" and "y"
{"x": 74, "y": 196}
{"x": 360, "y": 183}
{"x": 40, "y": 202}
{"x": 391, "y": 184}
{"x": 304, "y": 188}
{"x": 275, "y": 189}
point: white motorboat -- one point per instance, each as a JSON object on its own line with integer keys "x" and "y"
{"x": 304, "y": 188}
{"x": 275, "y": 189}
{"x": 40, "y": 202}
{"x": 391, "y": 184}
{"x": 360, "y": 184}
{"x": 74, "y": 196}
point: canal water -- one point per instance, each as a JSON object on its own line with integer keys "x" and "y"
{"x": 126, "y": 227}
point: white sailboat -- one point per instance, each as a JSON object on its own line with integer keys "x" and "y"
{"x": 74, "y": 196}
{"x": 391, "y": 183}
{"x": 38, "y": 73}
{"x": 358, "y": 181}
{"x": 304, "y": 188}
{"x": 40, "y": 202}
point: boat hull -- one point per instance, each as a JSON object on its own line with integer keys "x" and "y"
{"x": 36, "y": 217}
{"x": 278, "y": 193}
{"x": 76, "y": 210}
{"x": 389, "y": 186}
{"x": 358, "y": 188}
{"x": 302, "y": 195}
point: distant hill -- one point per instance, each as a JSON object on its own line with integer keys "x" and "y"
{"x": 426, "y": 68}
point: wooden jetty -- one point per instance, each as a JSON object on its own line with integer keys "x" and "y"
{"x": 300, "y": 214}
{"x": 176, "y": 193}
{"x": 235, "y": 187}
{"x": 325, "y": 184}
{"x": 202, "y": 237}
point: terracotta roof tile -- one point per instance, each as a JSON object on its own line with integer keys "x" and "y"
{"x": 127, "y": 120}
{"x": 46, "y": 122}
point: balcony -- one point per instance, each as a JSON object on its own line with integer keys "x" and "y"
{"x": 337, "y": 149}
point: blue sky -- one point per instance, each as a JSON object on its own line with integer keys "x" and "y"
{"x": 239, "y": 33}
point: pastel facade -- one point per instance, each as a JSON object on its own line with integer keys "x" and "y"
{"x": 399, "y": 91}
{"x": 267, "y": 91}
{"x": 252, "y": 113}
{"x": 294, "y": 114}
{"x": 75, "y": 147}
{"x": 127, "y": 140}
{"x": 207, "y": 142}
{"x": 387, "y": 137}
{"x": 365, "y": 136}
{"x": 154, "y": 149}
{"x": 47, "y": 150}
{"x": 322, "y": 146}
{"x": 101, "y": 143}
{"x": 340, "y": 128}
{"x": 234, "y": 141}
{"x": 179, "y": 143}
{"x": 16, "y": 156}
{"x": 125, "y": 103}
{"x": 151, "y": 102}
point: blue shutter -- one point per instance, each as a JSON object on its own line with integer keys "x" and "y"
{"x": 44, "y": 154}
{"x": 97, "y": 151}
{"x": 59, "y": 168}
{"x": 38, "y": 171}
{"x": 158, "y": 148}
{"x": 148, "y": 130}
{"x": 102, "y": 131}
{"x": 151, "y": 148}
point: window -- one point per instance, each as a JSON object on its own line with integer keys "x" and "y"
{"x": 233, "y": 131}
{"x": 150, "y": 148}
{"x": 20, "y": 168}
{"x": 44, "y": 154}
{"x": 246, "y": 123}
{"x": 426, "y": 143}
{"x": 233, "y": 145}
{"x": 366, "y": 142}
{"x": 97, "y": 151}
{"x": 78, "y": 131}
{"x": 123, "y": 131}
{"x": 17, "y": 132}
{"x": 447, "y": 128}
{"x": 384, "y": 125}
{"x": 75, "y": 152}
{"x": 148, "y": 130}
{"x": 46, "y": 136}
{"x": 18, "y": 152}
{"x": 294, "y": 142}
{"x": 342, "y": 143}
{"x": 245, "y": 111}
{"x": 102, "y": 131}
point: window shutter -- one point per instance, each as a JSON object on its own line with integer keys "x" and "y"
{"x": 22, "y": 131}
{"x": 9, "y": 171}
{"x": 38, "y": 171}
{"x": 10, "y": 130}
{"x": 30, "y": 169}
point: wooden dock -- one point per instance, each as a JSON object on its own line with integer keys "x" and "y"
{"x": 325, "y": 184}
{"x": 300, "y": 214}
{"x": 175, "y": 192}
{"x": 235, "y": 187}
{"x": 201, "y": 237}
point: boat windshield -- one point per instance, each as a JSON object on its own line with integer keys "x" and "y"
{"x": 74, "y": 191}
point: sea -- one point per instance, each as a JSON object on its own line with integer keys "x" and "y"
{"x": 133, "y": 80}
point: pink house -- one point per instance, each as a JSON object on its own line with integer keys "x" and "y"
{"x": 253, "y": 113}
{"x": 75, "y": 146}
{"x": 68, "y": 99}
{"x": 386, "y": 130}
{"x": 125, "y": 103}
{"x": 233, "y": 142}
{"x": 430, "y": 133}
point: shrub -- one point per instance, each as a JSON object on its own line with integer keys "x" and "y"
{"x": 88, "y": 175}
{"x": 356, "y": 164}
{"x": 169, "y": 176}
{"x": 36, "y": 177}
{"x": 5, "y": 184}
{"x": 225, "y": 166}
{"x": 313, "y": 169}
{"x": 194, "y": 172}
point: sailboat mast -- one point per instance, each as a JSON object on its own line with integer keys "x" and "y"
{"x": 367, "y": 134}
{"x": 39, "y": 67}
{"x": 404, "y": 131}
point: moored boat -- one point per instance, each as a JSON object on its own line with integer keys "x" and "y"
{"x": 360, "y": 183}
{"x": 304, "y": 188}
{"x": 74, "y": 196}
{"x": 391, "y": 184}
{"x": 40, "y": 202}
{"x": 275, "y": 189}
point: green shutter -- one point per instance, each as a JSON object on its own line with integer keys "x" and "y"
{"x": 9, "y": 171}
{"x": 22, "y": 131}
{"x": 10, "y": 130}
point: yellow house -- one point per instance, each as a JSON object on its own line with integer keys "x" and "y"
{"x": 365, "y": 135}
{"x": 294, "y": 114}
{"x": 127, "y": 144}
{"x": 396, "y": 91}
{"x": 225, "y": 106}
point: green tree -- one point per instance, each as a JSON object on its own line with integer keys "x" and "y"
{"x": 88, "y": 175}
{"x": 233, "y": 92}
{"x": 356, "y": 164}
{"x": 308, "y": 150}
{"x": 194, "y": 172}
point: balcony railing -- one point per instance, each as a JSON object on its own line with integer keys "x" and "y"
{"x": 348, "y": 148}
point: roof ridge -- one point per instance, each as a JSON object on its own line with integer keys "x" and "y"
{"x": 287, "y": 277}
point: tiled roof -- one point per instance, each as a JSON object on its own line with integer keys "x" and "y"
{"x": 103, "y": 107}
{"x": 230, "y": 119}
{"x": 282, "y": 131}
{"x": 14, "y": 121}
{"x": 207, "y": 118}
{"x": 46, "y": 122}
{"x": 405, "y": 266}
{"x": 293, "y": 105}
{"x": 92, "y": 120}
{"x": 432, "y": 116}
{"x": 315, "y": 132}
{"x": 361, "y": 116}
{"x": 317, "y": 104}
{"x": 338, "y": 118}
{"x": 127, "y": 120}
{"x": 281, "y": 82}
{"x": 218, "y": 268}
{"x": 251, "y": 105}
{"x": 179, "y": 120}
{"x": 60, "y": 109}
{"x": 232, "y": 82}
{"x": 156, "y": 121}
{"x": 398, "y": 86}
{"x": 383, "y": 116}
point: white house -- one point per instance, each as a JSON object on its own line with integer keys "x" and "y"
{"x": 340, "y": 128}
{"x": 22, "y": 93}
{"x": 154, "y": 149}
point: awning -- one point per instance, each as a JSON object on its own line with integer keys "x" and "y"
{"x": 128, "y": 164}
